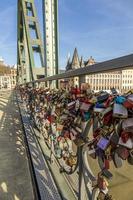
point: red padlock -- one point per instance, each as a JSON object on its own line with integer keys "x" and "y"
{"x": 102, "y": 185}
{"x": 108, "y": 118}
{"x": 66, "y": 134}
{"x": 49, "y": 119}
{"x": 96, "y": 132}
{"x": 128, "y": 104}
{"x": 108, "y": 101}
{"x": 125, "y": 136}
{"x": 107, "y": 163}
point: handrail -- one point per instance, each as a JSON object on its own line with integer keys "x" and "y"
{"x": 125, "y": 62}
{"x": 120, "y": 63}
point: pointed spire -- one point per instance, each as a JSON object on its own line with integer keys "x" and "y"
{"x": 90, "y": 61}
{"x": 68, "y": 66}
{"x": 75, "y": 60}
{"x": 82, "y": 62}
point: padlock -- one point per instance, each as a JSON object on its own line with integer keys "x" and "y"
{"x": 128, "y": 144}
{"x": 114, "y": 139}
{"x": 63, "y": 116}
{"x": 98, "y": 110}
{"x": 107, "y": 157}
{"x": 101, "y": 157}
{"x": 71, "y": 161}
{"x": 128, "y": 104}
{"x": 70, "y": 145}
{"x": 120, "y": 99}
{"x": 74, "y": 131}
{"x": 71, "y": 105}
{"x": 103, "y": 143}
{"x": 85, "y": 106}
{"x": 102, "y": 184}
{"x": 127, "y": 125}
{"x": 105, "y": 191}
{"x": 108, "y": 102}
{"x": 114, "y": 91}
{"x": 86, "y": 116}
{"x": 106, "y": 163}
{"x": 78, "y": 129}
{"x": 125, "y": 136}
{"x": 66, "y": 134}
{"x": 107, "y": 174}
{"x": 130, "y": 97}
{"x": 122, "y": 152}
{"x": 58, "y": 152}
{"x": 107, "y": 119}
{"x": 101, "y": 196}
{"x": 96, "y": 132}
{"x": 75, "y": 108}
{"x": 119, "y": 111}
{"x": 130, "y": 158}
{"x": 61, "y": 143}
{"x": 103, "y": 96}
{"x": 99, "y": 105}
{"x": 93, "y": 100}
{"x": 77, "y": 105}
{"x": 72, "y": 136}
{"x": 77, "y": 120}
{"x": 59, "y": 127}
{"x": 118, "y": 162}
{"x": 92, "y": 152}
{"x": 108, "y": 197}
{"x": 106, "y": 111}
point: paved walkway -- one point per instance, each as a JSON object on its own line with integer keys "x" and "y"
{"x": 15, "y": 179}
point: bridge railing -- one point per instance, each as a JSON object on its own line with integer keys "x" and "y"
{"x": 121, "y": 63}
{"x": 125, "y": 62}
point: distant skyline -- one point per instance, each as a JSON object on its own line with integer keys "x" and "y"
{"x": 102, "y": 29}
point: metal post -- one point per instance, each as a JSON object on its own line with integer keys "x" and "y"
{"x": 50, "y": 26}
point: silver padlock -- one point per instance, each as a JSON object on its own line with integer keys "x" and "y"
{"x": 127, "y": 125}
{"x": 130, "y": 97}
{"x": 128, "y": 144}
{"x": 119, "y": 111}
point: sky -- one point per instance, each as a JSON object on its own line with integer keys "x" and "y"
{"x": 99, "y": 28}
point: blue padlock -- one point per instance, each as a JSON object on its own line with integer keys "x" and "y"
{"x": 120, "y": 99}
{"x": 99, "y": 105}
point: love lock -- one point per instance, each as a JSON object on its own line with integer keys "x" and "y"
{"x": 77, "y": 119}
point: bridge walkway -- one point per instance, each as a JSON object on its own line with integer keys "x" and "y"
{"x": 15, "y": 177}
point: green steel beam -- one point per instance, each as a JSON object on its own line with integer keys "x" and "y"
{"x": 26, "y": 44}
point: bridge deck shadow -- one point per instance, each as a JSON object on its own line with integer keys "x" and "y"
{"x": 47, "y": 187}
{"x": 15, "y": 180}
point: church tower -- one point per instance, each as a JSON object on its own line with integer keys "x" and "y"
{"x": 82, "y": 62}
{"x": 75, "y": 60}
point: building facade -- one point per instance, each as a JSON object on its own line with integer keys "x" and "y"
{"x": 105, "y": 81}
{"x": 7, "y": 75}
{"x": 121, "y": 80}
{"x": 127, "y": 79}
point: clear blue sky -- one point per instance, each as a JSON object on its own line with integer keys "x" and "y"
{"x": 101, "y": 28}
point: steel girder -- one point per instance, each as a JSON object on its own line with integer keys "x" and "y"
{"x": 26, "y": 45}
